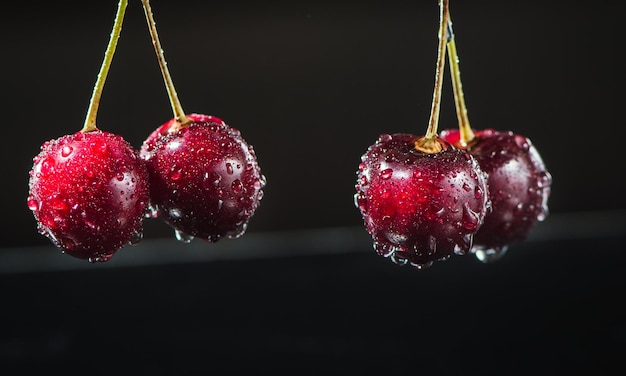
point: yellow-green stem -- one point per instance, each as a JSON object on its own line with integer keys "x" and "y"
{"x": 431, "y": 132}
{"x": 177, "y": 108}
{"x": 94, "y": 103}
{"x": 465, "y": 129}
{"x": 429, "y": 142}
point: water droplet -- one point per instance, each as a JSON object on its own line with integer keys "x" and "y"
{"x": 238, "y": 232}
{"x": 466, "y": 187}
{"x": 102, "y": 148}
{"x": 229, "y": 168}
{"x": 544, "y": 179}
{"x": 384, "y": 249}
{"x": 385, "y": 194}
{"x": 432, "y": 245}
{"x": 397, "y": 259}
{"x": 66, "y": 151}
{"x": 478, "y": 192}
{"x": 422, "y": 266}
{"x": 237, "y": 186}
{"x": 136, "y": 238}
{"x": 522, "y": 142}
{"x": 182, "y": 237}
{"x": 47, "y": 165}
{"x": 466, "y": 244}
{"x": 175, "y": 213}
{"x": 119, "y": 176}
{"x": 490, "y": 254}
{"x": 470, "y": 218}
{"x": 385, "y": 137}
{"x": 58, "y": 204}
{"x": 32, "y": 203}
{"x": 176, "y": 175}
{"x": 90, "y": 224}
{"x": 386, "y": 174}
{"x": 363, "y": 180}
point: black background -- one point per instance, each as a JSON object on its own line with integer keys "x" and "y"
{"x": 311, "y": 85}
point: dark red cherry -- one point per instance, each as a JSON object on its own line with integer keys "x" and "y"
{"x": 89, "y": 193}
{"x": 205, "y": 179}
{"x": 420, "y": 207}
{"x": 519, "y": 186}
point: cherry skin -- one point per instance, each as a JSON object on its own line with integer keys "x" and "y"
{"x": 420, "y": 207}
{"x": 89, "y": 193}
{"x": 519, "y": 186}
{"x": 205, "y": 181}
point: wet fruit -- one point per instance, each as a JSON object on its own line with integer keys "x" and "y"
{"x": 518, "y": 181}
{"x": 205, "y": 179}
{"x": 421, "y": 198}
{"x": 88, "y": 191}
{"x": 420, "y": 207}
{"x": 519, "y": 185}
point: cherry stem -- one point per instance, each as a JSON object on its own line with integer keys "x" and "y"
{"x": 177, "y": 108}
{"x": 431, "y": 132}
{"x": 465, "y": 129}
{"x": 94, "y": 103}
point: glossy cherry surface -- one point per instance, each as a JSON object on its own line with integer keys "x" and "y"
{"x": 205, "y": 179}
{"x": 89, "y": 193}
{"x": 420, "y": 207}
{"x": 518, "y": 181}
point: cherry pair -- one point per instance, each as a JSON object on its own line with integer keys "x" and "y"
{"x": 90, "y": 191}
{"x": 426, "y": 198}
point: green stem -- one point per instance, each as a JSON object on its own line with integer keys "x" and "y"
{"x": 177, "y": 108}
{"x": 94, "y": 103}
{"x": 431, "y": 132}
{"x": 465, "y": 129}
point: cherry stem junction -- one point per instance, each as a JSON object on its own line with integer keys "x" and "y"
{"x": 429, "y": 143}
{"x": 465, "y": 129}
{"x": 177, "y": 108}
{"x": 94, "y": 103}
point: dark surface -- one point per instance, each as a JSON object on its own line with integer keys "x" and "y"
{"x": 549, "y": 306}
{"x": 311, "y": 84}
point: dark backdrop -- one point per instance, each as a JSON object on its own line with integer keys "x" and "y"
{"x": 311, "y": 84}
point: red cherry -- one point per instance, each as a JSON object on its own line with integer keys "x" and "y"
{"x": 205, "y": 179}
{"x": 421, "y": 199}
{"x": 150, "y": 142}
{"x": 88, "y": 193}
{"x": 89, "y": 190}
{"x": 519, "y": 186}
{"x": 420, "y": 207}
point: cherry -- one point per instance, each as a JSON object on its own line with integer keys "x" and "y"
{"x": 89, "y": 190}
{"x": 421, "y": 199}
{"x": 205, "y": 179}
{"x": 519, "y": 186}
{"x": 420, "y": 207}
{"x": 518, "y": 181}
